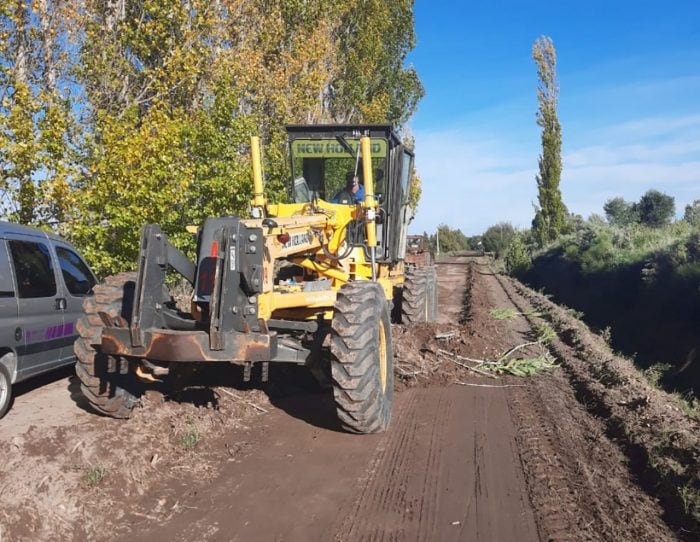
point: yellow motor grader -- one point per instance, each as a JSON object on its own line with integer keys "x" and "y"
{"x": 267, "y": 289}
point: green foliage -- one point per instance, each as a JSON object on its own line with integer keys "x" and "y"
{"x": 655, "y": 373}
{"x": 415, "y": 190}
{"x": 450, "y": 240}
{"x": 37, "y": 135}
{"x": 190, "y": 438}
{"x": 656, "y": 208}
{"x": 620, "y": 212}
{"x": 94, "y": 475}
{"x": 503, "y": 313}
{"x": 517, "y": 259}
{"x": 550, "y": 216}
{"x": 508, "y": 313}
{"x": 692, "y": 213}
{"x": 498, "y": 238}
{"x": 373, "y": 83}
{"x": 170, "y": 94}
{"x": 523, "y": 366}
{"x": 597, "y": 247}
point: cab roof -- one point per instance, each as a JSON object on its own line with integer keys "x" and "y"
{"x": 320, "y": 131}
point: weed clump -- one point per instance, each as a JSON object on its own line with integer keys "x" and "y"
{"x": 190, "y": 438}
{"x": 94, "y": 475}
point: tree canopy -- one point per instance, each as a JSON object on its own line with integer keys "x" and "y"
{"x": 114, "y": 114}
{"x": 550, "y": 214}
{"x": 653, "y": 209}
{"x": 692, "y": 213}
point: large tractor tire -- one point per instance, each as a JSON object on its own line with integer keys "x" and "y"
{"x": 107, "y": 382}
{"x": 415, "y": 306}
{"x": 431, "y": 274}
{"x": 419, "y": 296}
{"x": 362, "y": 358}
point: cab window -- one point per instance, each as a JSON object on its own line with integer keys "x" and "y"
{"x": 321, "y": 167}
{"x": 76, "y": 274}
{"x": 33, "y": 269}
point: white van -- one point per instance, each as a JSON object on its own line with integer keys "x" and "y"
{"x": 43, "y": 282}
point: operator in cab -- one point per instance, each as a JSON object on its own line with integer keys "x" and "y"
{"x": 354, "y": 191}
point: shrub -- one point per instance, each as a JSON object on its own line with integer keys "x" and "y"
{"x": 517, "y": 258}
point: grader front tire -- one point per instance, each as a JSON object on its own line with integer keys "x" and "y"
{"x": 106, "y": 381}
{"x": 362, "y": 358}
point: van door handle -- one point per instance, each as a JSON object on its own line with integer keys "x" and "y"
{"x": 60, "y": 304}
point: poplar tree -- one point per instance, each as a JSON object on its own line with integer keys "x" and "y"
{"x": 115, "y": 113}
{"x": 550, "y": 215}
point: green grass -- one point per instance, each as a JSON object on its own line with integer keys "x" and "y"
{"x": 544, "y": 332}
{"x": 508, "y": 313}
{"x": 94, "y": 475}
{"x": 690, "y": 497}
{"x": 654, "y": 373}
{"x": 191, "y": 437}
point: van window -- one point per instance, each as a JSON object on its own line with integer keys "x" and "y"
{"x": 76, "y": 274}
{"x": 7, "y": 287}
{"x": 33, "y": 269}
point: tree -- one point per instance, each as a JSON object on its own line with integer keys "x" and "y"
{"x": 498, "y": 238}
{"x": 373, "y": 84}
{"x": 656, "y": 208}
{"x": 517, "y": 259}
{"x": 175, "y": 90}
{"x": 692, "y": 213}
{"x": 37, "y": 140}
{"x": 550, "y": 215}
{"x": 450, "y": 240}
{"x": 620, "y": 212}
{"x": 170, "y": 93}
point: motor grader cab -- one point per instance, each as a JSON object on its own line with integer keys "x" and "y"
{"x": 271, "y": 288}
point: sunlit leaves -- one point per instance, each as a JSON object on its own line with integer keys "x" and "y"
{"x": 138, "y": 112}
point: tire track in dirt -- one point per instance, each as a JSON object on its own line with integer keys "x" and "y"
{"x": 388, "y": 492}
{"x": 577, "y": 477}
{"x": 458, "y": 475}
{"x": 470, "y": 463}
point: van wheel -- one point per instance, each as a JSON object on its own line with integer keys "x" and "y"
{"x": 362, "y": 358}
{"x": 5, "y": 390}
{"x": 107, "y": 382}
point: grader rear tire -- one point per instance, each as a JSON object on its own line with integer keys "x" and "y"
{"x": 415, "y": 306}
{"x": 106, "y": 381}
{"x": 362, "y": 358}
{"x": 432, "y": 300}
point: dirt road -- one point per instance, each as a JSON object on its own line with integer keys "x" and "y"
{"x": 466, "y": 458}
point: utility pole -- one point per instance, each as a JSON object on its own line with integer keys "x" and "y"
{"x": 438, "y": 241}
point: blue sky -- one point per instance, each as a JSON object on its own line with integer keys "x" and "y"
{"x": 629, "y": 75}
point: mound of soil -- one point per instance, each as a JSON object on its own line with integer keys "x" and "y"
{"x": 661, "y": 441}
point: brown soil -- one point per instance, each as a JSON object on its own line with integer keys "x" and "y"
{"x": 488, "y": 459}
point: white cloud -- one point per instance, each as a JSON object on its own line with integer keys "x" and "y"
{"x": 471, "y": 182}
